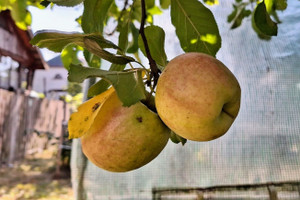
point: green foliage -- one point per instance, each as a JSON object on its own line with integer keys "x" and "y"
{"x": 128, "y": 84}
{"x": 238, "y": 14}
{"x": 196, "y": 27}
{"x": 262, "y": 22}
{"x": 156, "y": 42}
{"x": 94, "y": 43}
{"x": 177, "y": 139}
{"x": 95, "y": 15}
{"x": 69, "y": 3}
{"x": 135, "y": 29}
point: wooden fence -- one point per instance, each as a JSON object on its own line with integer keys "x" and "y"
{"x": 27, "y": 124}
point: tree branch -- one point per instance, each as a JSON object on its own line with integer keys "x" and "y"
{"x": 154, "y": 70}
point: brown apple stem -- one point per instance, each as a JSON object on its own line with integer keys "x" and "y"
{"x": 154, "y": 74}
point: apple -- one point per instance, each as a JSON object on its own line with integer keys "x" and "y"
{"x": 121, "y": 138}
{"x": 197, "y": 97}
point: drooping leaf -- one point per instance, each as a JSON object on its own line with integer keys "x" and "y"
{"x": 156, "y": 39}
{"x": 69, "y": 3}
{"x": 93, "y": 42}
{"x": 164, "y": 4}
{"x": 177, "y": 139}
{"x": 94, "y": 15}
{"x": 128, "y": 85}
{"x": 102, "y": 84}
{"x": 69, "y": 55}
{"x": 94, "y": 48}
{"x": 56, "y": 41}
{"x": 81, "y": 121}
{"x": 195, "y": 26}
{"x": 262, "y": 22}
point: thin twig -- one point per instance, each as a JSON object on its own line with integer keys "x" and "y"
{"x": 154, "y": 70}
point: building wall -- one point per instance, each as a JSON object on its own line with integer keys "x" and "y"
{"x": 55, "y": 78}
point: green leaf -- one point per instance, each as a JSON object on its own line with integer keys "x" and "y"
{"x": 164, "y": 4}
{"x": 262, "y": 22}
{"x": 91, "y": 59}
{"x": 177, "y": 139}
{"x": 123, "y": 29}
{"x": 238, "y": 14}
{"x": 150, "y": 3}
{"x": 281, "y": 4}
{"x": 102, "y": 85}
{"x": 56, "y": 41}
{"x": 94, "y": 15}
{"x": 133, "y": 45}
{"x": 94, "y": 48}
{"x": 195, "y": 26}
{"x": 156, "y": 40}
{"x": 69, "y": 55}
{"x": 69, "y": 3}
{"x": 128, "y": 85}
{"x": 93, "y": 42}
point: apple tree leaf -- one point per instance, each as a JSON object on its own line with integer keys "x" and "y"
{"x": 238, "y": 14}
{"x": 69, "y": 55}
{"x": 165, "y": 4}
{"x": 196, "y": 27}
{"x": 177, "y": 139}
{"x": 91, "y": 59}
{"x": 94, "y": 15}
{"x": 69, "y": 3}
{"x": 128, "y": 84}
{"x": 102, "y": 84}
{"x": 81, "y": 121}
{"x": 93, "y": 42}
{"x": 156, "y": 40}
{"x": 133, "y": 45}
{"x": 262, "y": 22}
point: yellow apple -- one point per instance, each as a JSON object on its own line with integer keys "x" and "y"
{"x": 197, "y": 97}
{"x": 124, "y": 138}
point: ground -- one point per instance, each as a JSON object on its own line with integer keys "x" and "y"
{"x": 33, "y": 179}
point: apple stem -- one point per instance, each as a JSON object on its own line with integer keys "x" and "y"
{"x": 154, "y": 74}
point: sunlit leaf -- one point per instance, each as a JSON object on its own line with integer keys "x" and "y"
{"x": 94, "y": 15}
{"x": 211, "y": 2}
{"x": 69, "y": 55}
{"x": 262, "y": 22}
{"x": 128, "y": 84}
{"x": 193, "y": 22}
{"x": 80, "y": 121}
{"x": 156, "y": 39}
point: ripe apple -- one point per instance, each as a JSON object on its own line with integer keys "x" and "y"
{"x": 197, "y": 97}
{"x": 124, "y": 138}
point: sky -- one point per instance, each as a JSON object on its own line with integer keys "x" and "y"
{"x": 56, "y": 18}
